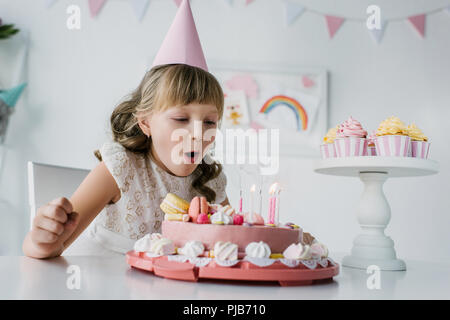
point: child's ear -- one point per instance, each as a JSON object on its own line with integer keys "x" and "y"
{"x": 145, "y": 126}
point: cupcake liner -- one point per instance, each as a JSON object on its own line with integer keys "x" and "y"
{"x": 420, "y": 149}
{"x": 392, "y": 145}
{"x": 350, "y": 147}
{"x": 371, "y": 151}
{"x": 328, "y": 151}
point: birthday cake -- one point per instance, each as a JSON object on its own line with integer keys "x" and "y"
{"x": 202, "y": 229}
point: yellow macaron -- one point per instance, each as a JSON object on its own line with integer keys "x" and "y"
{"x": 173, "y": 204}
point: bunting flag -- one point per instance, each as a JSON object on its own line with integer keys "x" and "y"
{"x": 418, "y": 22}
{"x": 95, "y": 6}
{"x": 139, "y": 7}
{"x": 11, "y": 96}
{"x": 333, "y": 24}
{"x": 292, "y": 10}
{"x": 377, "y": 34}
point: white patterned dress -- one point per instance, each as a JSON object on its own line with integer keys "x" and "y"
{"x": 143, "y": 186}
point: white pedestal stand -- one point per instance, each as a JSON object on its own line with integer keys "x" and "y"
{"x": 372, "y": 246}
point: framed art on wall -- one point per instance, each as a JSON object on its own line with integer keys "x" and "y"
{"x": 292, "y": 99}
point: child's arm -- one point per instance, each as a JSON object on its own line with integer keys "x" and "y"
{"x": 58, "y": 223}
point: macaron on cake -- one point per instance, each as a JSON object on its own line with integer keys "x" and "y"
{"x": 327, "y": 149}
{"x": 420, "y": 146}
{"x": 350, "y": 139}
{"x": 392, "y": 139}
{"x": 175, "y": 208}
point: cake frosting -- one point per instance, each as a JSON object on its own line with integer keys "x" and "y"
{"x": 225, "y": 251}
{"x": 258, "y": 250}
{"x": 277, "y": 238}
{"x": 331, "y": 135}
{"x": 351, "y": 128}
{"x": 192, "y": 249}
{"x": 392, "y": 126}
{"x": 415, "y": 133}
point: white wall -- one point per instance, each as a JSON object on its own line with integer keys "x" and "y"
{"x": 76, "y": 78}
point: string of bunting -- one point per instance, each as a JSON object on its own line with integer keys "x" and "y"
{"x": 293, "y": 10}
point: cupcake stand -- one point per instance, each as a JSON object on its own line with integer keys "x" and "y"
{"x": 372, "y": 246}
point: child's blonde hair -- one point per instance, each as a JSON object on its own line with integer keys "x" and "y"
{"x": 162, "y": 87}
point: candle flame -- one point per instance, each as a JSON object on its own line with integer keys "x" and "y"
{"x": 273, "y": 188}
{"x": 253, "y": 188}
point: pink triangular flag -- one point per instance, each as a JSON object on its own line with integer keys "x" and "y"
{"x": 247, "y": 2}
{"x": 333, "y": 24}
{"x": 178, "y": 2}
{"x": 307, "y": 82}
{"x": 418, "y": 22}
{"x": 182, "y": 44}
{"x": 95, "y": 6}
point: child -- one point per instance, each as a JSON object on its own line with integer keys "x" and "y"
{"x": 138, "y": 169}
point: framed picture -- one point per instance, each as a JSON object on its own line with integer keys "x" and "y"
{"x": 292, "y": 99}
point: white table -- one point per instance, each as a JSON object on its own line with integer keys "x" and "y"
{"x": 372, "y": 246}
{"x": 112, "y": 278}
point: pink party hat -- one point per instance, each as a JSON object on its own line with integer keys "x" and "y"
{"x": 182, "y": 44}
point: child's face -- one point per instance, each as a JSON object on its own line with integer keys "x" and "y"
{"x": 181, "y": 136}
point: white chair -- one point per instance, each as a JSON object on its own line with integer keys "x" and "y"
{"x": 47, "y": 182}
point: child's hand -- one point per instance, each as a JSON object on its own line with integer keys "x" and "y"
{"x": 53, "y": 224}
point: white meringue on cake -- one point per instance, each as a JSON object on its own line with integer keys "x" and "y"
{"x": 143, "y": 244}
{"x": 225, "y": 251}
{"x": 192, "y": 249}
{"x": 318, "y": 250}
{"x": 258, "y": 250}
{"x": 228, "y": 210}
{"x": 162, "y": 247}
{"x": 297, "y": 251}
{"x": 221, "y": 218}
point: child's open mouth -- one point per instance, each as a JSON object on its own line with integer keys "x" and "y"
{"x": 191, "y": 157}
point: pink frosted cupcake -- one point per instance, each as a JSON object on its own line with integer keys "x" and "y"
{"x": 420, "y": 146}
{"x": 351, "y": 139}
{"x": 371, "y": 149}
{"x": 327, "y": 149}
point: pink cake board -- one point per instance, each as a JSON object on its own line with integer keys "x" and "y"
{"x": 242, "y": 271}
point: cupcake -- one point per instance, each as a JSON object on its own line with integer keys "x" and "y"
{"x": 327, "y": 149}
{"x": 420, "y": 146}
{"x": 392, "y": 138}
{"x": 350, "y": 139}
{"x": 371, "y": 149}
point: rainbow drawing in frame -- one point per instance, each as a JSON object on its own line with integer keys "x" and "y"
{"x": 284, "y": 100}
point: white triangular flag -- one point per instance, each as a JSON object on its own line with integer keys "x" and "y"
{"x": 377, "y": 34}
{"x": 293, "y": 10}
{"x": 230, "y": 2}
{"x": 49, "y": 3}
{"x": 139, "y": 7}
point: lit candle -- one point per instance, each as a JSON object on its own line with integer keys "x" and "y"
{"x": 271, "y": 215}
